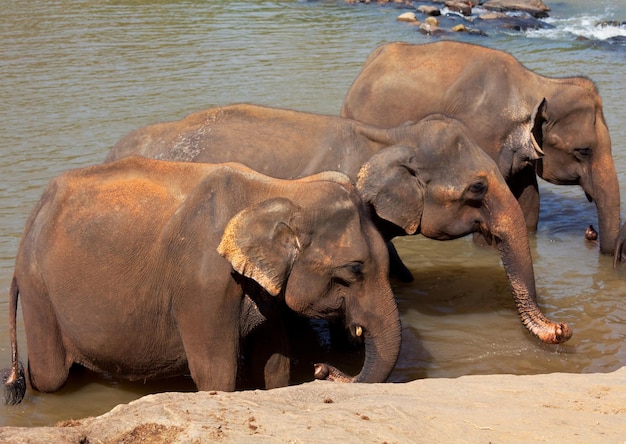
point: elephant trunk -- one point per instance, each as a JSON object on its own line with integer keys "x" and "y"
{"x": 512, "y": 241}
{"x": 382, "y": 334}
{"x": 608, "y": 206}
{"x": 604, "y": 188}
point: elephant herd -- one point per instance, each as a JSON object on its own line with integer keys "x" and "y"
{"x": 194, "y": 235}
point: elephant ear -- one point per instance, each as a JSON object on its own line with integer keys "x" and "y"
{"x": 538, "y": 118}
{"x": 261, "y": 242}
{"x": 389, "y": 182}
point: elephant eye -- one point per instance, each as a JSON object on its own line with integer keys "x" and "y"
{"x": 349, "y": 274}
{"x": 356, "y": 269}
{"x": 475, "y": 193}
{"x": 478, "y": 188}
{"x": 583, "y": 152}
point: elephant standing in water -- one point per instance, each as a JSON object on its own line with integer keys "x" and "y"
{"x": 505, "y": 106}
{"x": 147, "y": 269}
{"x": 439, "y": 183}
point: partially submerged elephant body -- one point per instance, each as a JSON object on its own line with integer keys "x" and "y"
{"x": 119, "y": 271}
{"x": 439, "y": 183}
{"x": 505, "y": 106}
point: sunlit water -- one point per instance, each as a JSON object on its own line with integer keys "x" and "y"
{"x": 76, "y": 76}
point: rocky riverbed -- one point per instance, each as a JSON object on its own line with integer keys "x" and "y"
{"x": 478, "y": 18}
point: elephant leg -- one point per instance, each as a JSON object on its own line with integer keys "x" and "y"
{"x": 277, "y": 371}
{"x": 209, "y": 329}
{"x": 267, "y": 355}
{"x": 212, "y": 358}
{"x": 397, "y": 269}
{"x": 526, "y": 190}
{"x": 48, "y": 362}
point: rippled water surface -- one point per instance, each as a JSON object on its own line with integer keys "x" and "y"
{"x": 76, "y": 76}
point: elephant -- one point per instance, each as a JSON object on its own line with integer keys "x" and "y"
{"x": 531, "y": 125}
{"x": 620, "y": 247}
{"x": 146, "y": 269}
{"x": 428, "y": 177}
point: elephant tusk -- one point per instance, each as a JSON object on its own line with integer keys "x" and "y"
{"x": 358, "y": 331}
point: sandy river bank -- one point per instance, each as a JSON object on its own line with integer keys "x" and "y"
{"x": 558, "y": 407}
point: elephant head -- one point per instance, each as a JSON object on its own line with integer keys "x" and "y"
{"x": 326, "y": 259}
{"x": 452, "y": 189}
{"x": 571, "y": 130}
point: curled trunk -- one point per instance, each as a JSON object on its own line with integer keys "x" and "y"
{"x": 382, "y": 347}
{"x": 511, "y": 237}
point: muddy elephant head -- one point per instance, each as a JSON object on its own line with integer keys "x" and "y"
{"x": 572, "y": 132}
{"x": 326, "y": 261}
{"x": 451, "y": 189}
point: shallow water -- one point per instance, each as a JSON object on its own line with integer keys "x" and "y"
{"x": 75, "y": 77}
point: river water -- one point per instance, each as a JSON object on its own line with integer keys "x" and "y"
{"x": 76, "y": 76}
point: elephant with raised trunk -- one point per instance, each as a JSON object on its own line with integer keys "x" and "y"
{"x": 531, "y": 125}
{"x": 439, "y": 183}
{"x": 147, "y": 269}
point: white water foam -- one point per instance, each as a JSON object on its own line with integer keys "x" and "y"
{"x": 583, "y": 26}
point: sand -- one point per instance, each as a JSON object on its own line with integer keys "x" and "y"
{"x": 561, "y": 408}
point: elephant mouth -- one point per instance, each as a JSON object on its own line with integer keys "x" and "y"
{"x": 356, "y": 331}
{"x": 327, "y": 310}
{"x": 588, "y": 196}
{"x": 355, "y": 334}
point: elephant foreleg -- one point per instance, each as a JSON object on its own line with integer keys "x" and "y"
{"x": 267, "y": 355}
{"x": 209, "y": 329}
{"x": 212, "y": 360}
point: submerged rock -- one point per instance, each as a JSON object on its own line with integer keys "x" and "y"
{"x": 461, "y": 6}
{"x": 429, "y": 10}
{"x": 407, "y": 17}
{"x": 537, "y": 8}
{"x": 498, "y": 20}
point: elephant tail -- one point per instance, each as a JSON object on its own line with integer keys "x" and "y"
{"x": 13, "y": 378}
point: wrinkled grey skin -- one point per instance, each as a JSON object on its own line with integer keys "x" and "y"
{"x": 620, "y": 247}
{"x": 148, "y": 269}
{"x": 441, "y": 184}
{"x": 529, "y": 124}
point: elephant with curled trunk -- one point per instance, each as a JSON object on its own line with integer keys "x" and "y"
{"x": 529, "y": 124}
{"x": 438, "y": 183}
{"x": 144, "y": 269}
